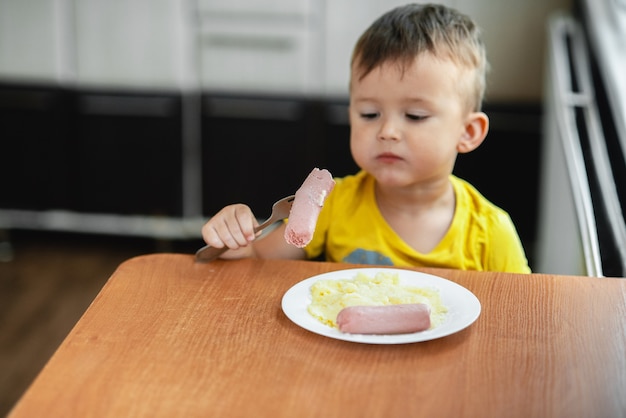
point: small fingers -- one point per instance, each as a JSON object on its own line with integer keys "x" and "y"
{"x": 232, "y": 227}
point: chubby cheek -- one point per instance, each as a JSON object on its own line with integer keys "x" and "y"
{"x": 363, "y": 142}
{"x": 358, "y": 148}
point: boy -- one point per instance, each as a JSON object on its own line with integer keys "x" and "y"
{"x": 416, "y": 89}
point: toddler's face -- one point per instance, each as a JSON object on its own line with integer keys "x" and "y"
{"x": 406, "y": 125}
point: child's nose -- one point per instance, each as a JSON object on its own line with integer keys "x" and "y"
{"x": 389, "y": 130}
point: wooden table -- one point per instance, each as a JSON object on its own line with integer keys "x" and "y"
{"x": 168, "y": 337}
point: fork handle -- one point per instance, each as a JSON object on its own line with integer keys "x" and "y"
{"x": 208, "y": 253}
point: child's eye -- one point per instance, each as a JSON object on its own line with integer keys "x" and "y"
{"x": 369, "y": 115}
{"x": 415, "y": 117}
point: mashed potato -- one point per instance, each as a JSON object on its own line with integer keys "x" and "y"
{"x": 331, "y": 296}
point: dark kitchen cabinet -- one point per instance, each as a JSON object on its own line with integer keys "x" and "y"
{"x": 36, "y": 147}
{"x": 337, "y": 149}
{"x": 129, "y": 153}
{"x": 257, "y": 150}
{"x": 90, "y": 152}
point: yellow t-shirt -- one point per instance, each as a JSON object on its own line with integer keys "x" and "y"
{"x": 351, "y": 229}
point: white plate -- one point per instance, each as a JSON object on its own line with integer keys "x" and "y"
{"x": 463, "y": 306}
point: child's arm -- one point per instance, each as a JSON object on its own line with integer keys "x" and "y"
{"x": 233, "y": 227}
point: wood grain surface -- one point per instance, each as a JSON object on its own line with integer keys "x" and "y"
{"x": 169, "y": 337}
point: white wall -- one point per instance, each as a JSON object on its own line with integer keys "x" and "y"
{"x": 28, "y": 39}
{"x": 285, "y": 46}
{"x": 515, "y": 33}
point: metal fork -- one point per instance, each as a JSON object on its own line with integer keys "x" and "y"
{"x": 280, "y": 210}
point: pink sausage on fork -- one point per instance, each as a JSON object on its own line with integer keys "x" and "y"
{"x": 306, "y": 207}
{"x": 387, "y": 319}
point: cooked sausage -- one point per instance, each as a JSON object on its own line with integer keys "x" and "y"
{"x": 387, "y": 319}
{"x": 306, "y": 207}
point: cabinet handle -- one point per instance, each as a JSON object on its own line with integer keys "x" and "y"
{"x": 127, "y": 106}
{"x": 250, "y": 42}
{"x": 252, "y": 108}
{"x": 27, "y": 100}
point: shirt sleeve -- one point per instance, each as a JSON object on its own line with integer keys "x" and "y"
{"x": 506, "y": 253}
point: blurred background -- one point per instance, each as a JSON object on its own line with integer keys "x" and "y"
{"x": 124, "y": 124}
{"x": 144, "y": 117}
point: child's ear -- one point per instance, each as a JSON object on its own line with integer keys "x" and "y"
{"x": 476, "y": 128}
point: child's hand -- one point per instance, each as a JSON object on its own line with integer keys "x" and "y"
{"x": 231, "y": 227}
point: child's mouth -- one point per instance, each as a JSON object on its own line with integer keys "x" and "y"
{"x": 388, "y": 158}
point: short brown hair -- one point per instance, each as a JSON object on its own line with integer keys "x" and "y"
{"x": 407, "y": 31}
